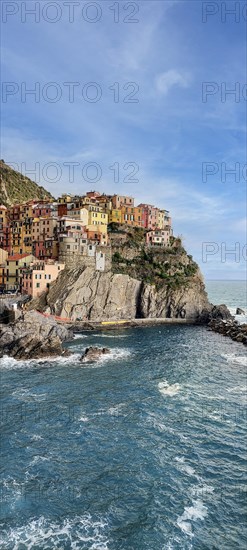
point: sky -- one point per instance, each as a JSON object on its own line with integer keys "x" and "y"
{"x": 133, "y": 98}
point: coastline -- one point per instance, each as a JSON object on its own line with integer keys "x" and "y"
{"x": 77, "y": 326}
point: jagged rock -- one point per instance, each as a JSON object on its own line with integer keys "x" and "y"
{"x": 240, "y": 311}
{"x": 93, "y": 354}
{"x": 88, "y": 295}
{"x": 33, "y": 336}
{"x": 230, "y": 328}
{"x": 220, "y": 312}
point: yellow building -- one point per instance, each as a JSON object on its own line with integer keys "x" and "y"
{"x": 115, "y": 215}
{"x": 161, "y": 219}
{"x": 64, "y": 199}
{"x": 97, "y": 218}
{"x": 128, "y": 215}
{"x": 3, "y": 259}
{"x": 80, "y": 214}
{"x": 3, "y": 215}
{"x": 13, "y": 270}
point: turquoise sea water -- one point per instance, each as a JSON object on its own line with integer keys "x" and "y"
{"x": 144, "y": 451}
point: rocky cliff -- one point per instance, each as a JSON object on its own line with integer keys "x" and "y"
{"x": 141, "y": 283}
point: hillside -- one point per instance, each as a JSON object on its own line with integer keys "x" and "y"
{"x": 15, "y": 188}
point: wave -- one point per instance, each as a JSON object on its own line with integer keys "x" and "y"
{"x": 102, "y": 335}
{"x": 237, "y": 389}
{"x": 231, "y": 358}
{"x": 185, "y": 467}
{"x": 78, "y": 336}
{"x": 115, "y": 354}
{"x": 38, "y": 458}
{"x": 200, "y": 491}
{"x": 83, "y": 419}
{"x": 167, "y": 389}
{"x": 78, "y": 532}
{"x": 191, "y": 513}
{"x": 7, "y": 362}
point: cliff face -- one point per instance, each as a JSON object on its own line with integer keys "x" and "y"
{"x": 86, "y": 294}
{"x": 140, "y": 282}
{"x": 14, "y": 187}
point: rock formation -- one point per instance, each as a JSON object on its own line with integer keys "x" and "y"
{"x": 93, "y": 354}
{"x": 240, "y": 311}
{"x": 230, "y": 328}
{"x": 141, "y": 282}
{"x": 32, "y": 336}
{"x": 88, "y": 295}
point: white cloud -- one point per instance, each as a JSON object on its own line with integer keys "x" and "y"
{"x": 165, "y": 81}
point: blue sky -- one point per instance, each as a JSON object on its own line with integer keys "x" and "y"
{"x": 170, "y": 134}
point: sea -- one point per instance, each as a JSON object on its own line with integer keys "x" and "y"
{"x": 144, "y": 450}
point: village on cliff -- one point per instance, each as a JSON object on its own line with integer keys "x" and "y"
{"x": 39, "y": 238}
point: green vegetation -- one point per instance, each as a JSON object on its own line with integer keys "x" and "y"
{"x": 16, "y": 188}
{"x": 159, "y": 266}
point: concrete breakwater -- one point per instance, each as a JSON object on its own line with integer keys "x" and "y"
{"x": 230, "y": 328}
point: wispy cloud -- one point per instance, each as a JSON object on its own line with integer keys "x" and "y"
{"x": 167, "y": 80}
{"x": 169, "y": 132}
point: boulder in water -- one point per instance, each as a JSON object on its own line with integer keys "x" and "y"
{"x": 240, "y": 311}
{"x": 93, "y": 354}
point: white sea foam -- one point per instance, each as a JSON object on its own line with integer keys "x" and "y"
{"x": 191, "y": 513}
{"x": 169, "y": 390}
{"x": 114, "y": 411}
{"x": 239, "y": 359}
{"x": 37, "y": 459}
{"x": 103, "y": 335}
{"x": 79, "y": 532}
{"x": 83, "y": 419}
{"x": 184, "y": 467}
{"x": 237, "y": 389}
{"x": 115, "y": 354}
{"x": 200, "y": 491}
{"x": 78, "y": 336}
{"x": 7, "y": 362}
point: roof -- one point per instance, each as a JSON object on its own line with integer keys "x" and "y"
{"x": 2, "y": 207}
{"x": 16, "y": 257}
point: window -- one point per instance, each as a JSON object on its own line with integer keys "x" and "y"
{"x": 16, "y": 263}
{"x": 37, "y": 285}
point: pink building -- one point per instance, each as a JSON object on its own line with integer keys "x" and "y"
{"x": 159, "y": 237}
{"x": 42, "y": 210}
{"x": 38, "y": 277}
{"x": 44, "y": 235}
{"x": 151, "y": 215}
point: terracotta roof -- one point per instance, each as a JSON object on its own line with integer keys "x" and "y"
{"x": 2, "y": 207}
{"x": 16, "y": 257}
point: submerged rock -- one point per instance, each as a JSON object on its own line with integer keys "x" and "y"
{"x": 92, "y": 354}
{"x": 33, "y": 336}
{"x": 240, "y": 311}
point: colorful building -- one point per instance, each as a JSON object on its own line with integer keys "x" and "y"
{"x": 122, "y": 200}
{"x": 38, "y": 277}
{"x": 13, "y": 270}
{"x": 159, "y": 237}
